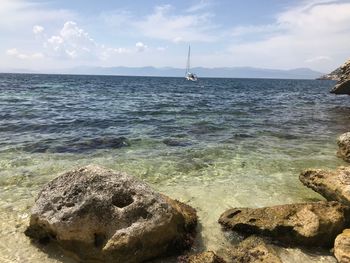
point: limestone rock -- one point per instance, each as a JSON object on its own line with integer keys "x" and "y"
{"x": 97, "y": 214}
{"x": 309, "y": 224}
{"x": 342, "y": 87}
{"x": 253, "y": 250}
{"x": 343, "y": 142}
{"x": 343, "y": 84}
{"x": 342, "y": 247}
{"x": 205, "y": 257}
{"x": 334, "y": 75}
{"x": 333, "y": 185}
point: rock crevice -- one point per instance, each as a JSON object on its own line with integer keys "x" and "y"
{"x": 99, "y": 214}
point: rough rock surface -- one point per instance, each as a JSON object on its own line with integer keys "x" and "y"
{"x": 342, "y": 247}
{"x": 342, "y": 87}
{"x": 343, "y": 142}
{"x": 309, "y": 224}
{"x": 334, "y": 75}
{"x": 333, "y": 185}
{"x": 205, "y": 257}
{"x": 252, "y": 250}
{"x": 343, "y": 84}
{"x": 97, "y": 214}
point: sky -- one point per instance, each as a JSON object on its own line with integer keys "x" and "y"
{"x": 40, "y": 35}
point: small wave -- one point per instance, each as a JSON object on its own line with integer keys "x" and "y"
{"x": 204, "y": 127}
{"x": 77, "y": 146}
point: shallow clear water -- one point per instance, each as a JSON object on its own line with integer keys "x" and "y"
{"x": 214, "y": 144}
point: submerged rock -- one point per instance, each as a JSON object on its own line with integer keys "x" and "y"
{"x": 77, "y": 145}
{"x": 252, "y": 250}
{"x": 174, "y": 142}
{"x": 205, "y": 257}
{"x": 343, "y": 142}
{"x": 309, "y": 224}
{"x": 98, "y": 214}
{"x": 333, "y": 185}
{"x": 342, "y": 247}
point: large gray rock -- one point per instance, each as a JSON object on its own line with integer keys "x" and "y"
{"x": 97, "y": 214}
{"x": 343, "y": 142}
{"x": 253, "y": 250}
{"x": 309, "y": 224}
{"x": 342, "y": 247}
{"x": 333, "y": 185}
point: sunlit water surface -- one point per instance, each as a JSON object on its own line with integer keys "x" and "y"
{"x": 213, "y": 144}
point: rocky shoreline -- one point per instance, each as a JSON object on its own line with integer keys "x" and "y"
{"x": 342, "y": 76}
{"x": 98, "y": 215}
{"x": 95, "y": 214}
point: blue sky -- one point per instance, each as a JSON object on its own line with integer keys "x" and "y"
{"x": 57, "y": 34}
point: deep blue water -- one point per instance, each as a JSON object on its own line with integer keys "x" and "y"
{"x": 79, "y": 114}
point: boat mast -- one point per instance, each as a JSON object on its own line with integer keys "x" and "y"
{"x": 188, "y": 60}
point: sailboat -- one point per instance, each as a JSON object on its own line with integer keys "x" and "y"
{"x": 189, "y": 75}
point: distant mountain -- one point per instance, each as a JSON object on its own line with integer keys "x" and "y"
{"x": 18, "y": 70}
{"x": 224, "y": 72}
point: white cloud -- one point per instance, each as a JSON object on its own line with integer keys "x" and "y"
{"x": 200, "y": 5}
{"x": 316, "y": 34}
{"x": 241, "y": 31}
{"x": 317, "y": 59}
{"x": 17, "y": 14}
{"x": 72, "y": 42}
{"x": 118, "y": 50}
{"x": 140, "y": 47}
{"x": 38, "y": 29}
{"x": 107, "y": 53}
{"x": 177, "y": 28}
{"x": 13, "y": 52}
{"x": 116, "y": 19}
{"x": 162, "y": 48}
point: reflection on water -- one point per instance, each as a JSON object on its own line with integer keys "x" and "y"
{"x": 226, "y": 143}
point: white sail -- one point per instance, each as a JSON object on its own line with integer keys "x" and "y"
{"x": 188, "y": 65}
{"x": 189, "y": 75}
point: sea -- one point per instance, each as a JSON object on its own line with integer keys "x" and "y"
{"x": 214, "y": 144}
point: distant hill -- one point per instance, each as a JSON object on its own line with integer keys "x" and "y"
{"x": 225, "y": 72}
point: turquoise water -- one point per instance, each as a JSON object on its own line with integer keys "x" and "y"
{"x": 214, "y": 144}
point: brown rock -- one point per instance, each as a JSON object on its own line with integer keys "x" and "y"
{"x": 253, "y": 250}
{"x": 333, "y": 185}
{"x": 342, "y": 87}
{"x": 309, "y": 224}
{"x": 205, "y": 257}
{"x": 97, "y": 214}
{"x": 342, "y": 247}
{"x": 343, "y": 142}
